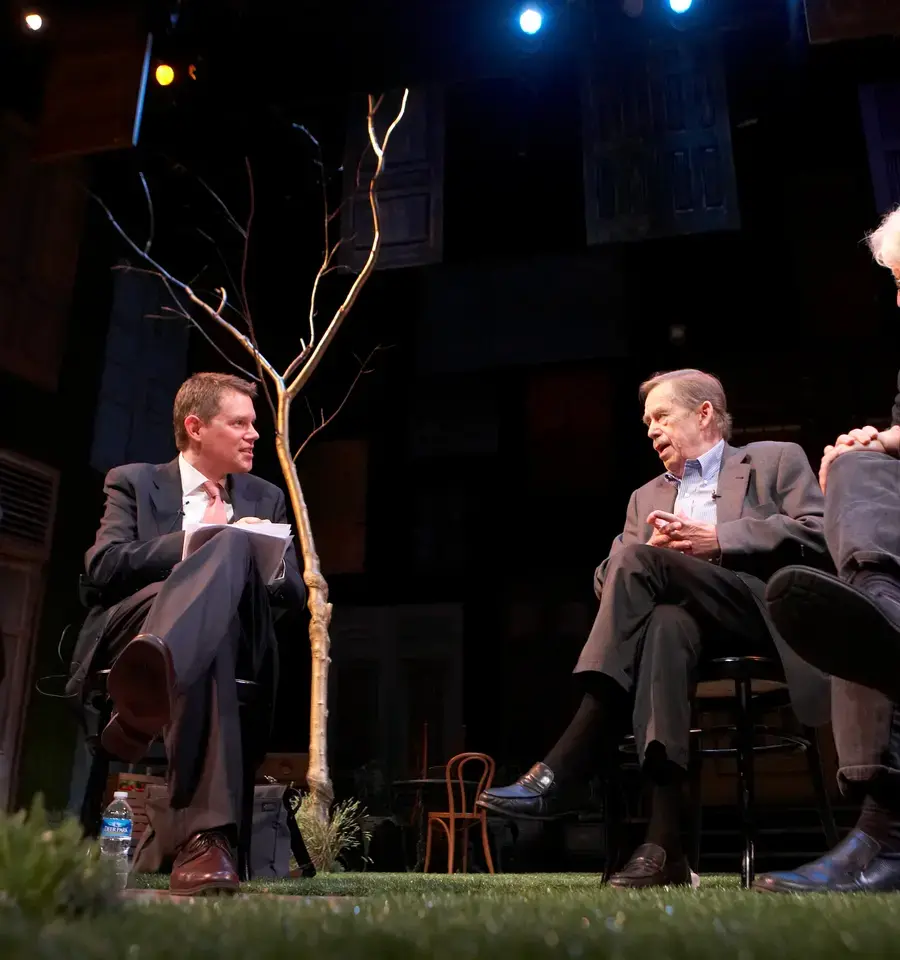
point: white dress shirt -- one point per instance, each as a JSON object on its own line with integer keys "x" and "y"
{"x": 194, "y": 499}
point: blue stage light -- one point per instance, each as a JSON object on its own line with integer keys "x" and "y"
{"x": 680, "y": 6}
{"x": 531, "y": 20}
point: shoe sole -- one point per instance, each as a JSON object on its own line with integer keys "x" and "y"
{"x": 510, "y": 815}
{"x": 836, "y": 628}
{"x": 139, "y": 686}
{"x": 130, "y": 746}
{"x": 207, "y": 888}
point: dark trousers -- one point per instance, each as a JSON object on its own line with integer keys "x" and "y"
{"x": 213, "y": 615}
{"x": 659, "y": 611}
{"x": 862, "y": 530}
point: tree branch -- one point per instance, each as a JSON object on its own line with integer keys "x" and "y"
{"x": 248, "y": 316}
{"x": 179, "y": 311}
{"x": 214, "y": 315}
{"x": 359, "y": 373}
{"x": 318, "y": 350}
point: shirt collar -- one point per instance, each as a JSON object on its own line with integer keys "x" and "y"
{"x": 191, "y": 478}
{"x": 709, "y": 463}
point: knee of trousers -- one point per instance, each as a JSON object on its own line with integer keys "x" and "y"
{"x": 844, "y": 473}
{"x": 634, "y": 556}
{"x": 235, "y": 542}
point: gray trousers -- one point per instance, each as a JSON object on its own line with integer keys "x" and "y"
{"x": 659, "y": 611}
{"x": 862, "y": 530}
{"x": 213, "y": 615}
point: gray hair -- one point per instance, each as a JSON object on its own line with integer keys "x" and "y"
{"x": 885, "y": 241}
{"x": 691, "y": 388}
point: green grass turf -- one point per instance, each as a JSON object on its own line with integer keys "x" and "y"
{"x": 516, "y": 916}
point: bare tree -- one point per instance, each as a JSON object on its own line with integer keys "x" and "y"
{"x": 280, "y": 390}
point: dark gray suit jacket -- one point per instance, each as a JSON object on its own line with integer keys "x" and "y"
{"x": 769, "y": 514}
{"x": 140, "y": 540}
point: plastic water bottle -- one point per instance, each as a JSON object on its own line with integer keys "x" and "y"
{"x": 115, "y": 835}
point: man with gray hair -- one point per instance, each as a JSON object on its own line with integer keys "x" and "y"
{"x": 686, "y": 577}
{"x": 849, "y": 626}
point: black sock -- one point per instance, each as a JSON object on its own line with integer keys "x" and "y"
{"x": 592, "y": 736}
{"x": 880, "y": 823}
{"x": 664, "y": 828}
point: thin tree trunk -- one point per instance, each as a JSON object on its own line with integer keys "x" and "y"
{"x": 317, "y": 776}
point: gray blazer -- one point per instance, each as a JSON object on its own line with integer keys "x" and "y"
{"x": 769, "y": 514}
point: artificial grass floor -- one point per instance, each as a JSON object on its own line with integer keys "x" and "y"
{"x": 514, "y": 915}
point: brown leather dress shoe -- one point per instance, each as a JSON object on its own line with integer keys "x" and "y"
{"x": 205, "y": 864}
{"x": 649, "y": 867}
{"x": 140, "y": 684}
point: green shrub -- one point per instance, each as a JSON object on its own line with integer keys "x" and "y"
{"x": 48, "y": 871}
{"x": 326, "y": 841}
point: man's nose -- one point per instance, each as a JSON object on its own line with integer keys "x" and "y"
{"x": 653, "y": 431}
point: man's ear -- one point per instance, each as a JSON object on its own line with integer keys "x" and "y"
{"x": 706, "y": 413}
{"x": 192, "y": 424}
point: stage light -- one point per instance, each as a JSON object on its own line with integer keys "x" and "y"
{"x": 34, "y": 21}
{"x": 531, "y": 20}
{"x": 164, "y": 74}
{"x": 680, "y": 6}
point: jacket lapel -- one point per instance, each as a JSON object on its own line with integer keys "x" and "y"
{"x": 244, "y": 504}
{"x": 166, "y": 497}
{"x": 732, "y": 487}
{"x": 660, "y": 496}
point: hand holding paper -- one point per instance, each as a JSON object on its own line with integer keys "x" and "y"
{"x": 270, "y": 541}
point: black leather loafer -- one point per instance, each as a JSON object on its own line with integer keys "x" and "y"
{"x": 650, "y": 867}
{"x": 856, "y": 865}
{"x": 535, "y": 796}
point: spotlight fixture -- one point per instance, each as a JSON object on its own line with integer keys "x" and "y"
{"x": 164, "y": 74}
{"x": 34, "y": 21}
{"x": 680, "y": 6}
{"x": 531, "y": 20}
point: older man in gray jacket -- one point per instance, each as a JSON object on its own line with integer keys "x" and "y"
{"x": 685, "y": 578}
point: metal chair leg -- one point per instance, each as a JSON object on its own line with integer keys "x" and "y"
{"x": 695, "y": 773}
{"x": 744, "y": 750}
{"x": 823, "y": 800}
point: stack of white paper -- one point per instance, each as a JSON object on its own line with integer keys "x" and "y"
{"x": 270, "y": 542}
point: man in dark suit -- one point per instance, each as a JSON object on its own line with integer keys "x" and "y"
{"x": 849, "y": 626}
{"x": 177, "y": 631}
{"x": 686, "y": 577}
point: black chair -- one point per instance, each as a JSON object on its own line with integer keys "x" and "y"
{"x": 746, "y": 688}
{"x": 92, "y": 802}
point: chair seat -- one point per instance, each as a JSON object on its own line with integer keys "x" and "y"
{"x": 720, "y": 689}
{"x": 447, "y": 814}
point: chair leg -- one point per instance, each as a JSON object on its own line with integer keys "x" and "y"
{"x": 695, "y": 774}
{"x": 451, "y": 844}
{"x": 823, "y": 800}
{"x": 464, "y": 834}
{"x": 92, "y": 804}
{"x": 245, "y": 827}
{"x": 744, "y": 751}
{"x": 612, "y": 824}
{"x": 485, "y": 842}
{"x": 428, "y": 846}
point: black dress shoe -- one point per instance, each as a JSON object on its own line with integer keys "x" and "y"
{"x": 856, "y": 865}
{"x": 535, "y": 796}
{"x": 140, "y": 685}
{"x": 836, "y": 627}
{"x": 649, "y": 866}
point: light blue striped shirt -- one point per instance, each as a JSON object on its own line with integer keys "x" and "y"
{"x": 697, "y": 487}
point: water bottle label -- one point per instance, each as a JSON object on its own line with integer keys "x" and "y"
{"x": 115, "y": 828}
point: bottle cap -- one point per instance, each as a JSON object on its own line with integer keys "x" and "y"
{"x": 120, "y": 795}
